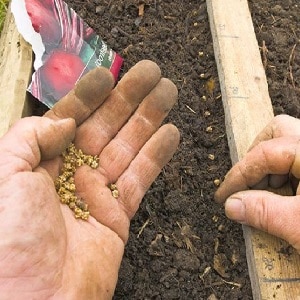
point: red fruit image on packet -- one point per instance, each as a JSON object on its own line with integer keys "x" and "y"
{"x": 65, "y": 47}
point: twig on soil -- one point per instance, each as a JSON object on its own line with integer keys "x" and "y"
{"x": 126, "y": 50}
{"x": 275, "y": 20}
{"x": 206, "y": 271}
{"x": 217, "y": 283}
{"x": 264, "y": 50}
{"x": 260, "y": 27}
{"x": 295, "y": 35}
{"x": 187, "y": 20}
{"x": 190, "y": 109}
{"x": 117, "y": 28}
{"x": 169, "y": 18}
{"x": 186, "y": 235}
{"x": 141, "y": 9}
{"x": 232, "y": 283}
{"x": 291, "y": 62}
{"x": 143, "y": 227}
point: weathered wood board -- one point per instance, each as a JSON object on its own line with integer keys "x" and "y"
{"x": 15, "y": 73}
{"x": 248, "y": 109}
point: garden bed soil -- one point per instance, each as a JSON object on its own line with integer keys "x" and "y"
{"x": 181, "y": 245}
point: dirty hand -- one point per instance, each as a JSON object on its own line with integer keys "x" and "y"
{"x": 45, "y": 253}
{"x": 272, "y": 161}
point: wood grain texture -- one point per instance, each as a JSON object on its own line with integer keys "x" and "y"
{"x": 274, "y": 267}
{"x": 15, "y": 73}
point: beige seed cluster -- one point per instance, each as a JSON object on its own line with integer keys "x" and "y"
{"x": 114, "y": 190}
{"x": 65, "y": 183}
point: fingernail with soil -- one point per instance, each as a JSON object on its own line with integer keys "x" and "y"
{"x": 235, "y": 209}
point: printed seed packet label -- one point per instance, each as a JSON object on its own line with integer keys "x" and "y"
{"x": 65, "y": 47}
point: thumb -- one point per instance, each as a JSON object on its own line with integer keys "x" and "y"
{"x": 34, "y": 139}
{"x": 275, "y": 214}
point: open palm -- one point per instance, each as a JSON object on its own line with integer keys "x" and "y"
{"x": 45, "y": 253}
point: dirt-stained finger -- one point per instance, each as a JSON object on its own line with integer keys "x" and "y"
{"x": 267, "y": 211}
{"x": 105, "y": 123}
{"x": 31, "y": 140}
{"x": 88, "y": 94}
{"x": 275, "y": 156}
{"x": 279, "y": 126}
{"x": 146, "y": 166}
{"x": 118, "y": 154}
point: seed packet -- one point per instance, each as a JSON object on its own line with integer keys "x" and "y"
{"x": 65, "y": 47}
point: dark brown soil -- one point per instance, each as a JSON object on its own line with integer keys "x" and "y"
{"x": 181, "y": 245}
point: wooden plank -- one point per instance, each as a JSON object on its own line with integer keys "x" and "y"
{"x": 248, "y": 108}
{"x": 15, "y": 74}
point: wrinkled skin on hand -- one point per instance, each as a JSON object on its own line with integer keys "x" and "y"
{"x": 45, "y": 253}
{"x": 272, "y": 161}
